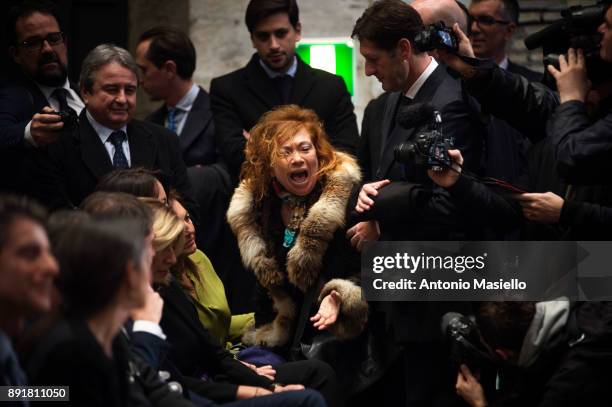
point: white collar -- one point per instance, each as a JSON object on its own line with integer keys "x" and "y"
{"x": 273, "y": 74}
{"x": 186, "y": 103}
{"x": 102, "y": 131}
{"x": 48, "y": 90}
{"x": 504, "y": 63}
{"x": 416, "y": 86}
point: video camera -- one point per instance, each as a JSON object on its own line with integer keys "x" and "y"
{"x": 436, "y": 36}
{"x": 465, "y": 342}
{"x": 428, "y": 149}
{"x": 576, "y": 29}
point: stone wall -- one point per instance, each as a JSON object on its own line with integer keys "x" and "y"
{"x": 222, "y": 41}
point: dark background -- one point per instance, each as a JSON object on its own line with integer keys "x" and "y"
{"x": 87, "y": 24}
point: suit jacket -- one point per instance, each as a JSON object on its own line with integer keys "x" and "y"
{"x": 435, "y": 217}
{"x": 67, "y": 171}
{"x": 197, "y": 139}
{"x": 241, "y": 97}
{"x": 195, "y": 352}
{"x": 427, "y": 213}
{"x": 18, "y": 103}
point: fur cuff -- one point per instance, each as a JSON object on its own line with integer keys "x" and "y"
{"x": 353, "y": 311}
{"x": 277, "y": 332}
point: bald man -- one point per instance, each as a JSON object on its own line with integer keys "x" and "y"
{"x": 448, "y": 11}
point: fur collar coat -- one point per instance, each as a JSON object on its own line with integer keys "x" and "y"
{"x": 304, "y": 262}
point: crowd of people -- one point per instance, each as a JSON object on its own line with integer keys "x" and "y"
{"x": 210, "y": 254}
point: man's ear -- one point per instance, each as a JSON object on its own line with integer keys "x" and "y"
{"x": 14, "y": 54}
{"x": 298, "y": 30}
{"x": 84, "y": 94}
{"x": 404, "y": 49}
{"x": 170, "y": 67}
{"x": 510, "y": 29}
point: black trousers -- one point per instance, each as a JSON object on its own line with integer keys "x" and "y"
{"x": 313, "y": 374}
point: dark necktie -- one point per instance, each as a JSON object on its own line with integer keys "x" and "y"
{"x": 119, "y": 159}
{"x": 284, "y": 85}
{"x": 60, "y": 95}
{"x": 172, "y": 111}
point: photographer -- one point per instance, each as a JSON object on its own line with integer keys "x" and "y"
{"x": 582, "y": 145}
{"x": 576, "y": 211}
{"x": 551, "y": 353}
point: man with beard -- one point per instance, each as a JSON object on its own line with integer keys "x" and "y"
{"x": 27, "y": 106}
{"x": 276, "y": 76}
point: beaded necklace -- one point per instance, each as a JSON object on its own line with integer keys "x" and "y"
{"x": 298, "y": 206}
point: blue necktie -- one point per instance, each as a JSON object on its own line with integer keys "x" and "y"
{"x": 172, "y": 119}
{"x": 119, "y": 159}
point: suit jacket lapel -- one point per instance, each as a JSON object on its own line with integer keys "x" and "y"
{"x": 424, "y": 95}
{"x": 93, "y": 153}
{"x": 142, "y": 148}
{"x": 198, "y": 119}
{"x": 158, "y": 116}
{"x": 302, "y": 83}
{"x": 260, "y": 84}
{"x": 386, "y": 143}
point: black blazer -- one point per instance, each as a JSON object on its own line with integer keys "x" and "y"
{"x": 241, "y": 97}
{"x": 532, "y": 76}
{"x": 431, "y": 216}
{"x": 197, "y": 139}
{"x": 67, "y": 171}
{"x": 195, "y": 352}
{"x": 18, "y": 103}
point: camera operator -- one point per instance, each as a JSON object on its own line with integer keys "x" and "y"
{"x": 576, "y": 211}
{"x": 552, "y": 353}
{"x": 582, "y": 145}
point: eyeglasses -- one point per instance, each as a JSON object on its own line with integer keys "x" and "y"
{"x": 486, "y": 21}
{"x": 35, "y": 43}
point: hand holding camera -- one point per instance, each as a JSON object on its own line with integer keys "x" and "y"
{"x": 46, "y": 125}
{"x": 447, "y": 177}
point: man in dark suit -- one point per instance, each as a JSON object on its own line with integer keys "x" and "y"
{"x": 276, "y": 76}
{"x": 167, "y": 59}
{"x": 407, "y": 206}
{"x": 107, "y": 137}
{"x": 38, "y": 48}
{"x": 493, "y": 24}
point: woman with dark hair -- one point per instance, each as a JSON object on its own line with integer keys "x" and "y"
{"x": 105, "y": 273}
{"x": 288, "y": 214}
{"x": 134, "y": 181}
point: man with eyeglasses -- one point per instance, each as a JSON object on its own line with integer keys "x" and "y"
{"x": 492, "y": 25}
{"x": 38, "y": 48}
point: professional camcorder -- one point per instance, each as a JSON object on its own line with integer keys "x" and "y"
{"x": 436, "y": 36}
{"x": 428, "y": 149}
{"x": 576, "y": 29}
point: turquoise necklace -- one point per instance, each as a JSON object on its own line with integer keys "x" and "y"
{"x": 297, "y": 205}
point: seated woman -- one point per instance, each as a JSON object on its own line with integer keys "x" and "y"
{"x": 105, "y": 273}
{"x": 134, "y": 181}
{"x": 197, "y": 275}
{"x": 197, "y": 354}
{"x": 288, "y": 214}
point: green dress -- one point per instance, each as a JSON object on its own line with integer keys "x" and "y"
{"x": 211, "y": 303}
